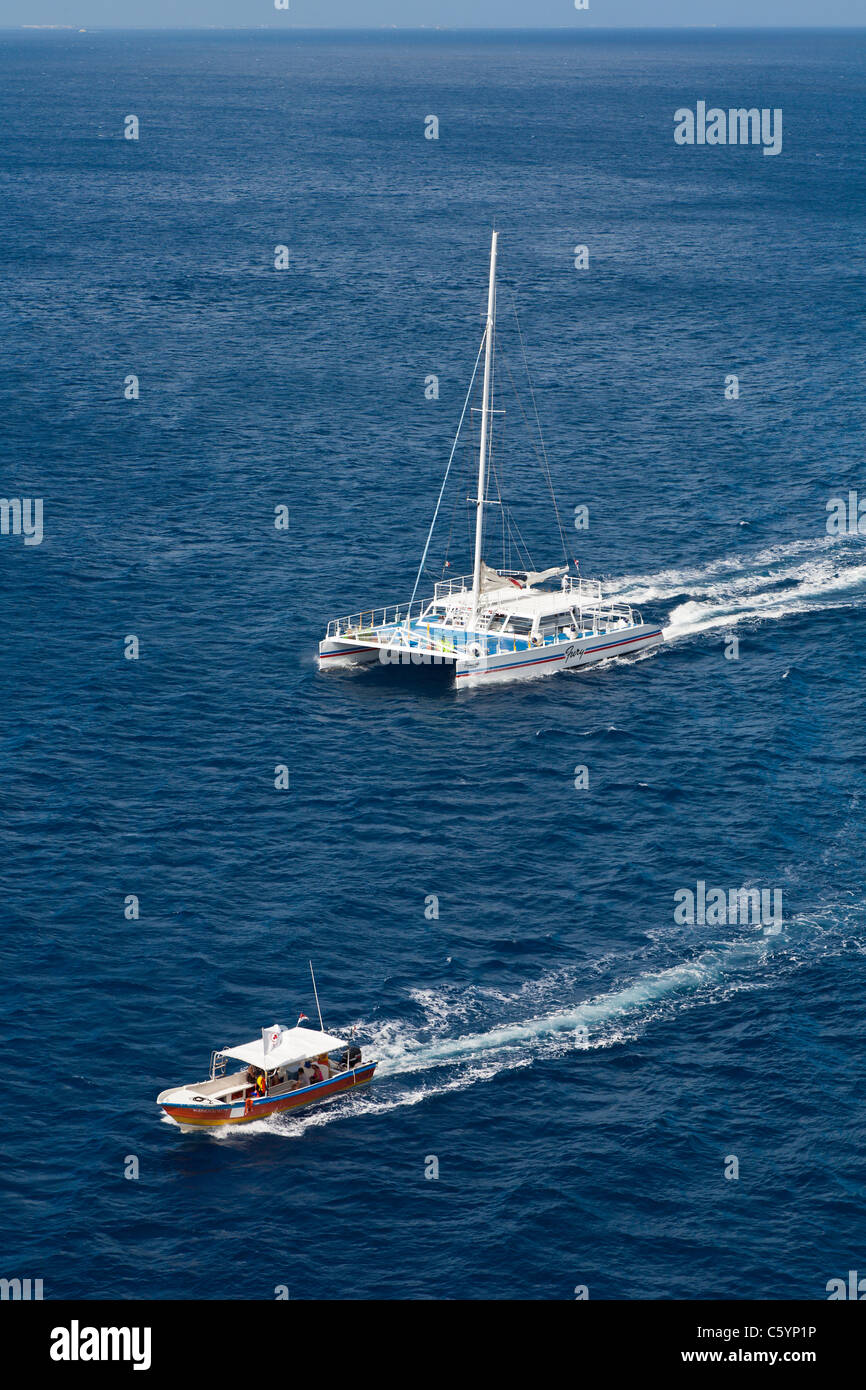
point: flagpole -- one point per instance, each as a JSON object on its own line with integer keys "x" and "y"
{"x": 318, "y": 1005}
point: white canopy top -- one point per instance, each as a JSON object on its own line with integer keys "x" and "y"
{"x": 524, "y": 603}
{"x": 295, "y": 1045}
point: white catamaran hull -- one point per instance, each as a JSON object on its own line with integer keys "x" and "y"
{"x": 335, "y": 653}
{"x": 473, "y": 670}
{"x": 544, "y": 661}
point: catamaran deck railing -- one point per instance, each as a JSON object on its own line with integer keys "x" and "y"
{"x": 428, "y": 638}
{"x": 359, "y": 624}
{"x": 586, "y": 592}
{"x": 587, "y": 589}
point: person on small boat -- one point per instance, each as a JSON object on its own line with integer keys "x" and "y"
{"x": 257, "y": 1079}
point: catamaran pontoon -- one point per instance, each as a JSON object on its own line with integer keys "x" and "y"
{"x": 495, "y": 624}
{"x": 284, "y": 1069}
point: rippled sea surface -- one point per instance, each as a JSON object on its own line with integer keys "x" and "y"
{"x": 582, "y": 1065}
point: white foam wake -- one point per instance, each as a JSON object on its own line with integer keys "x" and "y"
{"x": 599, "y": 1022}
{"x": 417, "y": 1062}
{"x": 812, "y": 575}
{"x": 443, "y": 1053}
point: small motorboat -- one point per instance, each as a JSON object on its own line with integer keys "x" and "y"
{"x": 284, "y": 1069}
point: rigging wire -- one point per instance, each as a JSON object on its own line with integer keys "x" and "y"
{"x": 509, "y": 523}
{"x": 445, "y": 561}
{"x": 444, "y": 481}
{"x": 569, "y": 555}
{"x": 519, "y": 543}
{"x": 494, "y": 474}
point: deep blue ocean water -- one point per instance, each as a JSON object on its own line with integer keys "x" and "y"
{"x": 565, "y": 1158}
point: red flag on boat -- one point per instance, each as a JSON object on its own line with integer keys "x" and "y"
{"x": 300, "y": 1019}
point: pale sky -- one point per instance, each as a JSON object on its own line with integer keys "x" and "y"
{"x": 481, "y": 14}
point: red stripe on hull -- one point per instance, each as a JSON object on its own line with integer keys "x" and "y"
{"x": 210, "y": 1117}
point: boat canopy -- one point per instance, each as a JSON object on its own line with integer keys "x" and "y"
{"x": 295, "y": 1045}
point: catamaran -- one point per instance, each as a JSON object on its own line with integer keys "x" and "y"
{"x": 497, "y": 623}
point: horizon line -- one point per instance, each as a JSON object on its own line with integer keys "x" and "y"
{"x": 289, "y": 26}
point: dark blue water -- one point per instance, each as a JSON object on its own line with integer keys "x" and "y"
{"x": 566, "y": 1156}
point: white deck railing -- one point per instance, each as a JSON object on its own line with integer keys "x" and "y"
{"x": 585, "y": 593}
{"x": 372, "y": 618}
{"x": 446, "y": 587}
{"x": 380, "y": 627}
{"x": 585, "y": 590}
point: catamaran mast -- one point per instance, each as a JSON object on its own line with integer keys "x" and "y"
{"x": 485, "y": 430}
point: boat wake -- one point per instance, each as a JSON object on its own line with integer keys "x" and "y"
{"x": 805, "y": 576}
{"x": 419, "y": 1061}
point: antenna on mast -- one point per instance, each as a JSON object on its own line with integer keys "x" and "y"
{"x": 318, "y": 1005}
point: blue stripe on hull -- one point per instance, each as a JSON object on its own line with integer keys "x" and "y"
{"x": 540, "y": 660}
